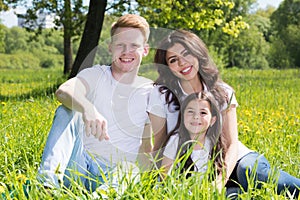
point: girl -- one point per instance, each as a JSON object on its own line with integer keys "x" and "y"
{"x": 198, "y": 127}
{"x": 185, "y": 67}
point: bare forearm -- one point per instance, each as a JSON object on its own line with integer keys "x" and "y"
{"x": 230, "y": 162}
{"x": 72, "y": 95}
{"x": 230, "y": 132}
{"x": 159, "y": 139}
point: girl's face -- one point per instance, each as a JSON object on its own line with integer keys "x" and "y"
{"x": 181, "y": 62}
{"x": 198, "y": 117}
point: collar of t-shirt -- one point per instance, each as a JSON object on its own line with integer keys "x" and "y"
{"x": 204, "y": 86}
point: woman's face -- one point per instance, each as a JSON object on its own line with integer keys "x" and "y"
{"x": 198, "y": 117}
{"x": 181, "y": 62}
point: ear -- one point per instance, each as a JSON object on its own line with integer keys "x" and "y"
{"x": 146, "y": 49}
{"x": 213, "y": 120}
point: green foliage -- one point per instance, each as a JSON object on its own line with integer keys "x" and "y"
{"x": 286, "y": 24}
{"x": 247, "y": 53}
{"x": 22, "y": 52}
{"x": 4, "y": 4}
{"x": 20, "y": 60}
{"x": 268, "y": 121}
{"x": 73, "y": 18}
{"x": 16, "y": 40}
{"x": 193, "y": 15}
{"x": 279, "y": 55}
{"x": 218, "y": 57}
{"x": 2, "y": 35}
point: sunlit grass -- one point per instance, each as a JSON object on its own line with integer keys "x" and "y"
{"x": 268, "y": 119}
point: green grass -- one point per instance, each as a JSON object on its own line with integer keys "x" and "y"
{"x": 268, "y": 116}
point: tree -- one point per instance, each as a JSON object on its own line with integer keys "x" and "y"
{"x": 194, "y": 15}
{"x": 6, "y": 4}
{"x": 15, "y": 40}
{"x": 90, "y": 37}
{"x": 286, "y": 24}
{"x": 250, "y": 49}
{"x": 241, "y": 51}
{"x": 69, "y": 16}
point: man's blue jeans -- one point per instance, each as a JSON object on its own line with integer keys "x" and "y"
{"x": 258, "y": 164}
{"x": 64, "y": 157}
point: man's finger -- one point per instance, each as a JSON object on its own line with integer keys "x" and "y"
{"x": 103, "y": 131}
{"x": 87, "y": 129}
{"x": 98, "y": 130}
{"x": 104, "y": 128}
{"x": 93, "y": 128}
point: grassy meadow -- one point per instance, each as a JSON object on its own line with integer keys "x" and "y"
{"x": 268, "y": 118}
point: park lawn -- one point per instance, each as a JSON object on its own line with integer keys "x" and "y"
{"x": 268, "y": 119}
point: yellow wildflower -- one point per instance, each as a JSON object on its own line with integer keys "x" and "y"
{"x": 21, "y": 178}
{"x": 271, "y": 130}
{"x": 2, "y": 189}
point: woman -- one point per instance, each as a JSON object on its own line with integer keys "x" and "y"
{"x": 185, "y": 67}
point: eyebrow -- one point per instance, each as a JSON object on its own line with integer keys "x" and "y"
{"x": 176, "y": 56}
{"x": 201, "y": 109}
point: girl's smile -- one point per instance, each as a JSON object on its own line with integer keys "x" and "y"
{"x": 198, "y": 117}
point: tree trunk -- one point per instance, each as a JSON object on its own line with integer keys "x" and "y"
{"x": 68, "y": 60}
{"x": 67, "y": 38}
{"x": 90, "y": 38}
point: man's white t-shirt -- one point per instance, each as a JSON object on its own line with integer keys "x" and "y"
{"x": 124, "y": 108}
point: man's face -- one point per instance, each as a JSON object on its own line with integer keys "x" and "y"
{"x": 127, "y": 48}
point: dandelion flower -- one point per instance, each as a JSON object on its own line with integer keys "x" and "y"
{"x": 271, "y": 130}
{"x": 21, "y": 178}
{"x": 2, "y": 189}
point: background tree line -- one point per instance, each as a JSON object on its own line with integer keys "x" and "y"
{"x": 236, "y": 35}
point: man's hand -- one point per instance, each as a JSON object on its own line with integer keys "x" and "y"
{"x": 95, "y": 124}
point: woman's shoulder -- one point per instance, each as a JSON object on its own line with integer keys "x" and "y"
{"x": 226, "y": 87}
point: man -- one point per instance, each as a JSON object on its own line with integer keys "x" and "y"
{"x": 103, "y": 120}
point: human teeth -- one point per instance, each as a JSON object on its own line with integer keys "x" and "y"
{"x": 185, "y": 70}
{"x": 126, "y": 59}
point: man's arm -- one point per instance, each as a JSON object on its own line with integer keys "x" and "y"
{"x": 72, "y": 94}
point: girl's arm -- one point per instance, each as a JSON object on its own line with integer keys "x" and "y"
{"x": 230, "y": 133}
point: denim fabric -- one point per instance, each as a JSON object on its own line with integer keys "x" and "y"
{"x": 258, "y": 164}
{"x": 64, "y": 157}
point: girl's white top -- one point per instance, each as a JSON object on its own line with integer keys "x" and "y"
{"x": 199, "y": 157}
{"x": 158, "y": 106}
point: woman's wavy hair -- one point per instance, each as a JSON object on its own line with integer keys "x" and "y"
{"x": 208, "y": 72}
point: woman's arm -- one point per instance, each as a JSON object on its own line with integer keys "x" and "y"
{"x": 230, "y": 133}
{"x": 145, "y": 148}
{"x": 159, "y": 128}
{"x": 166, "y": 164}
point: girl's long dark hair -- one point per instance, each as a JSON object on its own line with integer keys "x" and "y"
{"x": 218, "y": 146}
